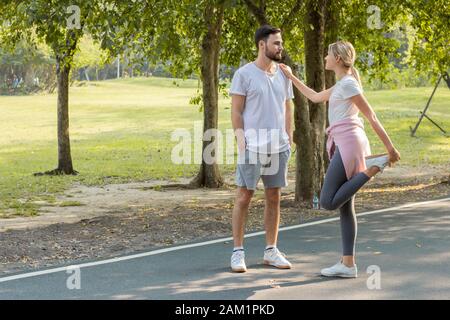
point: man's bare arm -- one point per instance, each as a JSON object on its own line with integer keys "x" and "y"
{"x": 237, "y": 108}
{"x": 289, "y": 127}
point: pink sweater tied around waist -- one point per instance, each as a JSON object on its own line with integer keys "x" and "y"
{"x": 349, "y": 136}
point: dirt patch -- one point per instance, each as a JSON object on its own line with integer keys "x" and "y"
{"x": 118, "y": 198}
{"x": 122, "y": 219}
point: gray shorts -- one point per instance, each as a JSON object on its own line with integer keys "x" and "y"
{"x": 271, "y": 168}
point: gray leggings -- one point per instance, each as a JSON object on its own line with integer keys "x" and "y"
{"x": 338, "y": 192}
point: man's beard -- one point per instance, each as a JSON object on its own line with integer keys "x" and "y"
{"x": 273, "y": 56}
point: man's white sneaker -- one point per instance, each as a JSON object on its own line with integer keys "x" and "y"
{"x": 381, "y": 161}
{"x": 276, "y": 258}
{"x": 238, "y": 261}
{"x": 340, "y": 270}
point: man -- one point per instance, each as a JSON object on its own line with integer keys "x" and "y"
{"x": 262, "y": 120}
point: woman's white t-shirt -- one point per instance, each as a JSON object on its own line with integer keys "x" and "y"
{"x": 340, "y": 106}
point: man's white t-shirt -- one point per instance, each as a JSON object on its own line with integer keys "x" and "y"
{"x": 340, "y": 105}
{"x": 265, "y": 109}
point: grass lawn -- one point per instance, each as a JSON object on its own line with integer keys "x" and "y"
{"x": 121, "y": 132}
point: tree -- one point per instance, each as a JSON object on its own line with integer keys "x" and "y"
{"x": 209, "y": 175}
{"x": 59, "y": 24}
{"x": 88, "y": 56}
{"x": 188, "y": 34}
{"x": 315, "y": 79}
{"x": 431, "y": 43}
{"x": 25, "y": 62}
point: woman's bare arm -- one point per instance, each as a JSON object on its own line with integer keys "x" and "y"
{"x": 312, "y": 95}
{"x": 361, "y": 102}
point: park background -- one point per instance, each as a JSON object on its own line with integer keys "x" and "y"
{"x": 132, "y": 73}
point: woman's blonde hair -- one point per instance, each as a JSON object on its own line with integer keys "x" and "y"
{"x": 347, "y": 53}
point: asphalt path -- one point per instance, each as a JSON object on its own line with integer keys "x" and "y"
{"x": 402, "y": 253}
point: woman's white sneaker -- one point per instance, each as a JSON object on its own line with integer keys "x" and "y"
{"x": 380, "y": 161}
{"x": 340, "y": 270}
{"x": 238, "y": 261}
{"x": 275, "y": 258}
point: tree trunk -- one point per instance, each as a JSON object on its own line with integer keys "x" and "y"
{"x": 331, "y": 35}
{"x": 302, "y": 138}
{"x": 315, "y": 76}
{"x": 209, "y": 175}
{"x": 118, "y": 67}
{"x": 64, "y": 155}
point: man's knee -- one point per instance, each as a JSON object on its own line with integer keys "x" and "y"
{"x": 244, "y": 196}
{"x": 273, "y": 197}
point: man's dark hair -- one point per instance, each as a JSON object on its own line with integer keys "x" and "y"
{"x": 264, "y": 32}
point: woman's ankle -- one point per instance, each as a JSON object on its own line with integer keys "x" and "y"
{"x": 372, "y": 171}
{"x": 348, "y": 261}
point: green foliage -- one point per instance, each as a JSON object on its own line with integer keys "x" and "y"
{"x": 49, "y": 22}
{"x": 412, "y": 34}
{"x": 89, "y": 54}
{"x": 431, "y": 47}
{"x": 21, "y": 66}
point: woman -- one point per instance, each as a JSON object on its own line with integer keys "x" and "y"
{"x": 348, "y": 147}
